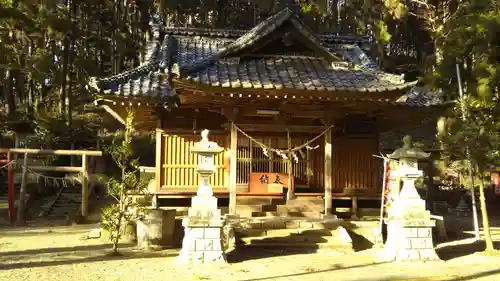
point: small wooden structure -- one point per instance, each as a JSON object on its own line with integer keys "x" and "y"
{"x": 253, "y": 89}
{"x": 83, "y": 169}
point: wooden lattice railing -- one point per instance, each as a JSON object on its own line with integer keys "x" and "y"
{"x": 178, "y": 164}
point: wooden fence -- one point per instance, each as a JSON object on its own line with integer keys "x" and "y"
{"x": 83, "y": 169}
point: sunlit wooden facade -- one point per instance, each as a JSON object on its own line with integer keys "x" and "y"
{"x": 273, "y": 79}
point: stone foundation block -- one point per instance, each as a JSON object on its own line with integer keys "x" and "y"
{"x": 197, "y": 257}
{"x": 245, "y": 232}
{"x": 216, "y": 245}
{"x": 213, "y": 232}
{"x": 406, "y": 244}
{"x": 421, "y": 243}
{"x": 199, "y": 244}
{"x": 411, "y": 232}
{"x": 425, "y": 232}
{"x": 188, "y": 244}
{"x": 215, "y": 256}
{"x": 306, "y": 224}
{"x": 281, "y": 232}
{"x": 274, "y": 224}
{"x": 253, "y": 225}
{"x": 292, "y": 224}
{"x": 196, "y": 233}
{"x": 428, "y": 255}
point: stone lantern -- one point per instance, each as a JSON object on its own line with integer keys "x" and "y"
{"x": 203, "y": 226}
{"x": 409, "y": 224}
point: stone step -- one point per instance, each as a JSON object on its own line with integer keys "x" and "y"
{"x": 248, "y": 208}
{"x": 269, "y": 208}
{"x": 306, "y": 201}
{"x": 335, "y": 239}
{"x": 367, "y": 212}
{"x": 299, "y": 208}
{"x": 284, "y": 213}
{"x": 253, "y": 201}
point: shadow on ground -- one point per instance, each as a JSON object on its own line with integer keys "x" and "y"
{"x": 460, "y": 250}
{"x": 334, "y": 268}
{"x": 244, "y": 253}
{"x": 73, "y": 255}
{"x": 489, "y": 273}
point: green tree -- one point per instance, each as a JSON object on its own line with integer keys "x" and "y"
{"x": 115, "y": 216}
{"x": 475, "y": 138}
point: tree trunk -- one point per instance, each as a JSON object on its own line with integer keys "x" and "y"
{"x": 484, "y": 214}
{"x": 118, "y": 230}
{"x": 9, "y": 93}
{"x": 62, "y": 98}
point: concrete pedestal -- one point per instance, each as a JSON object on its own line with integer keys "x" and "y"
{"x": 201, "y": 244}
{"x": 410, "y": 241}
{"x": 202, "y": 241}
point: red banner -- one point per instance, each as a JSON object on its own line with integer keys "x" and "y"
{"x": 387, "y": 173}
{"x": 495, "y": 182}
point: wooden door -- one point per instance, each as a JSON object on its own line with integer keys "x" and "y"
{"x": 355, "y": 169}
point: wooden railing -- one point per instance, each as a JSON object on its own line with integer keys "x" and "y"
{"x": 354, "y": 167}
{"x": 83, "y": 169}
{"x": 251, "y": 159}
{"x": 178, "y": 164}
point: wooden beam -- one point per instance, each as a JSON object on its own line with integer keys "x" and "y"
{"x": 64, "y": 169}
{"x": 114, "y": 114}
{"x": 51, "y": 152}
{"x": 232, "y": 169}
{"x": 85, "y": 187}
{"x": 328, "y": 173}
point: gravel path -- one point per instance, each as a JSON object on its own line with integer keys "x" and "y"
{"x": 58, "y": 253}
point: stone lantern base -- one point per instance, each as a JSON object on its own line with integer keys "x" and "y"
{"x": 410, "y": 240}
{"x": 202, "y": 241}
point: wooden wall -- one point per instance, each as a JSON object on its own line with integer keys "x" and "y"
{"x": 354, "y": 167}
{"x": 251, "y": 158}
{"x": 178, "y": 170}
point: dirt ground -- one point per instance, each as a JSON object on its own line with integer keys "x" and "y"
{"x": 59, "y": 253}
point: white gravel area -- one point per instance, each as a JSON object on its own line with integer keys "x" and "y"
{"x": 59, "y": 253}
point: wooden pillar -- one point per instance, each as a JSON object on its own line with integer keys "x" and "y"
{"x": 232, "y": 169}
{"x": 85, "y": 187}
{"x": 309, "y": 168}
{"x": 159, "y": 141}
{"x": 22, "y": 194}
{"x": 355, "y": 206}
{"x": 291, "y": 189}
{"x": 11, "y": 188}
{"x": 328, "y": 173}
{"x": 72, "y": 157}
{"x": 432, "y": 190}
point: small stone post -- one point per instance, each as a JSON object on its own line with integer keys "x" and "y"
{"x": 409, "y": 224}
{"x": 203, "y": 226}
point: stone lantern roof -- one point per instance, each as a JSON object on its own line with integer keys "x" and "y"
{"x": 408, "y": 151}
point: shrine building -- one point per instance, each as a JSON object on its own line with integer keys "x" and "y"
{"x": 275, "y": 97}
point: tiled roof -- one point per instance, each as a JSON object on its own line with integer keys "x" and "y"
{"x": 217, "y": 58}
{"x": 303, "y": 73}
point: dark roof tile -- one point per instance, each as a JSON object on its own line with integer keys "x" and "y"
{"x": 204, "y": 56}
